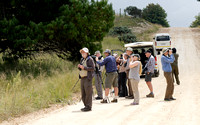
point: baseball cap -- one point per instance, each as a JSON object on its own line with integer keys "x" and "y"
{"x": 107, "y": 51}
{"x": 136, "y": 55}
{"x": 85, "y": 50}
{"x": 148, "y": 51}
{"x": 165, "y": 50}
{"x": 130, "y": 49}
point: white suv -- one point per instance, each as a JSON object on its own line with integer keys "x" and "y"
{"x": 140, "y": 48}
{"x": 162, "y": 40}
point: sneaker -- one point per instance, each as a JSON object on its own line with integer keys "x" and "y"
{"x": 172, "y": 98}
{"x": 129, "y": 97}
{"x": 134, "y": 103}
{"x": 104, "y": 101}
{"x": 114, "y": 101}
{"x": 150, "y": 95}
{"x": 167, "y": 99}
{"x": 98, "y": 98}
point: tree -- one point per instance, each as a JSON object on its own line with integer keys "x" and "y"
{"x": 133, "y": 11}
{"x": 196, "y": 23}
{"x": 60, "y": 26}
{"x": 154, "y": 13}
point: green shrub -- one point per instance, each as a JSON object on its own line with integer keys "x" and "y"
{"x": 128, "y": 38}
{"x": 119, "y": 31}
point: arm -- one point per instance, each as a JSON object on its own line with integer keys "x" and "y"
{"x": 151, "y": 65}
{"x": 103, "y": 62}
{"x": 133, "y": 64}
{"x": 127, "y": 66}
{"x": 90, "y": 65}
{"x": 169, "y": 59}
{"x": 101, "y": 67}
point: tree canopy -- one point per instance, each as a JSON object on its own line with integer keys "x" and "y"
{"x": 154, "y": 13}
{"x": 196, "y": 23}
{"x": 60, "y": 26}
{"x": 133, "y": 11}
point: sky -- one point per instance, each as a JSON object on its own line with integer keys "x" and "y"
{"x": 180, "y": 13}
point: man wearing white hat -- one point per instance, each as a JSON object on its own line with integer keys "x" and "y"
{"x": 86, "y": 67}
{"x": 166, "y": 60}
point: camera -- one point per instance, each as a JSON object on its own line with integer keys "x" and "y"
{"x": 121, "y": 56}
{"x": 94, "y": 57}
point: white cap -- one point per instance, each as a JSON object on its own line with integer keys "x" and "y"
{"x": 85, "y": 50}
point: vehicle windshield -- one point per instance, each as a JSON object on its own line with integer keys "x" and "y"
{"x": 162, "y": 38}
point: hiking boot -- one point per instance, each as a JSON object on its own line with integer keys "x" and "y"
{"x": 150, "y": 95}
{"x": 129, "y": 97}
{"x": 114, "y": 101}
{"x": 104, "y": 101}
{"x": 86, "y": 109}
{"x": 98, "y": 98}
{"x": 167, "y": 99}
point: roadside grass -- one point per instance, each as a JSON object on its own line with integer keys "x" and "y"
{"x": 35, "y": 84}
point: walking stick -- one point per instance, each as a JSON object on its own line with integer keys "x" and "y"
{"x": 75, "y": 85}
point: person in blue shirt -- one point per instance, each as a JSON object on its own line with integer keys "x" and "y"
{"x": 166, "y": 60}
{"x": 111, "y": 75}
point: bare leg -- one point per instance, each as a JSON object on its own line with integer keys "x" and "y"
{"x": 106, "y": 92}
{"x": 150, "y": 86}
{"x": 116, "y": 91}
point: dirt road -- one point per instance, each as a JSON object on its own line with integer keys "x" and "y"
{"x": 184, "y": 111}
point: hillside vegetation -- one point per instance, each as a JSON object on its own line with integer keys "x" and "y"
{"x": 29, "y": 85}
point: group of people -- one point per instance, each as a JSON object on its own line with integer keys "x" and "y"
{"x": 126, "y": 68}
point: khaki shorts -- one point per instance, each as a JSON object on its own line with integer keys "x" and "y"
{"x": 111, "y": 79}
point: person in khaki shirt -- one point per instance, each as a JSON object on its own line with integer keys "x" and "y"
{"x": 86, "y": 74}
{"x": 175, "y": 71}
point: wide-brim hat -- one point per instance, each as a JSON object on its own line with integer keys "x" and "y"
{"x": 97, "y": 52}
{"x": 129, "y": 49}
{"x": 85, "y": 50}
{"x": 165, "y": 50}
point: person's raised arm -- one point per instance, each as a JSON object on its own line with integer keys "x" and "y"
{"x": 101, "y": 63}
{"x": 133, "y": 64}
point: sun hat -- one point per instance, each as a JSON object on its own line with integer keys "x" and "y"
{"x": 129, "y": 49}
{"x": 85, "y": 50}
{"x": 165, "y": 50}
{"x": 97, "y": 52}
